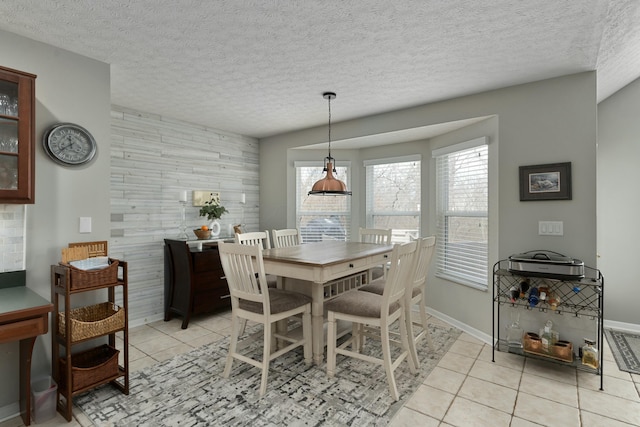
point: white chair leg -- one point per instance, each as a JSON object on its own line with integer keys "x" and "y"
{"x": 233, "y": 344}
{"x": 423, "y": 320}
{"x": 404, "y": 339}
{"x": 356, "y": 336}
{"x": 243, "y": 327}
{"x": 386, "y": 356}
{"x": 411, "y": 340}
{"x": 266, "y": 356}
{"x": 331, "y": 345}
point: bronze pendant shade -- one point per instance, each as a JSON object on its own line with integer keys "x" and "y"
{"x": 329, "y": 185}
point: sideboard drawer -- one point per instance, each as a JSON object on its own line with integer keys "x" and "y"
{"x": 24, "y": 329}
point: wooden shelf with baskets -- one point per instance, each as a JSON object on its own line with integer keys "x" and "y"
{"x": 79, "y": 371}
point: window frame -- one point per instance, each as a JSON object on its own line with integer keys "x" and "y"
{"x": 347, "y": 214}
{"x": 444, "y": 213}
{"x": 370, "y": 188}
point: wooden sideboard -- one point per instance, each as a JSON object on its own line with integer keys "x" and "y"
{"x": 23, "y": 316}
{"x": 193, "y": 280}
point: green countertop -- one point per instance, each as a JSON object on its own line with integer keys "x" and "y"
{"x": 19, "y": 298}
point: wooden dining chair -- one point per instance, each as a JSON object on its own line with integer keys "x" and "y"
{"x": 379, "y": 311}
{"x": 254, "y": 238}
{"x": 379, "y": 236}
{"x": 286, "y": 237}
{"x": 260, "y": 238}
{"x": 244, "y": 269}
{"x": 416, "y": 295}
{"x": 375, "y": 235}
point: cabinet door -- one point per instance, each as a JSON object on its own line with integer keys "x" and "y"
{"x": 17, "y": 136}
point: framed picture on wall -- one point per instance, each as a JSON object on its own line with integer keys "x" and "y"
{"x": 545, "y": 182}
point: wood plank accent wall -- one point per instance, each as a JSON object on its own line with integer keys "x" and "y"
{"x": 153, "y": 158}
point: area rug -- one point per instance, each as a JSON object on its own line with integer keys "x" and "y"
{"x": 189, "y": 390}
{"x": 625, "y": 347}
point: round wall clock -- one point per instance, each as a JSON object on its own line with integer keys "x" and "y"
{"x": 69, "y": 144}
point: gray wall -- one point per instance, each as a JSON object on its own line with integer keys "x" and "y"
{"x": 619, "y": 203}
{"x": 130, "y": 190}
{"x": 542, "y": 122}
{"x": 69, "y": 88}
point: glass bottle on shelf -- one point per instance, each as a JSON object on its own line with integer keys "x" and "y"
{"x": 514, "y": 331}
{"x": 590, "y": 354}
{"x": 547, "y": 337}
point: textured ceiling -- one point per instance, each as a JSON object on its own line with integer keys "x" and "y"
{"x": 259, "y": 68}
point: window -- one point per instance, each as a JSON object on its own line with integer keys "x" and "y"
{"x": 321, "y": 217}
{"x": 462, "y": 186}
{"x": 393, "y": 196}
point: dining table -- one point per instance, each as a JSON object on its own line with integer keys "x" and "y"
{"x": 324, "y": 270}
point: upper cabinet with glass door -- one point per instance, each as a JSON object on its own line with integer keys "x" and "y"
{"x": 17, "y": 136}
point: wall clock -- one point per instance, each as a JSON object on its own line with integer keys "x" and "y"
{"x": 69, "y": 144}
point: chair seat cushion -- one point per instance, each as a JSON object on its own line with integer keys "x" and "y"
{"x": 280, "y": 301}
{"x": 377, "y": 272}
{"x": 357, "y": 303}
{"x": 376, "y": 286}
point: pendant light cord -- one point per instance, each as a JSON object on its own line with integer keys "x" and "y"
{"x": 329, "y": 99}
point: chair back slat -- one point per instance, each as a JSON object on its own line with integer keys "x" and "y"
{"x": 400, "y": 275}
{"x": 286, "y": 237}
{"x": 375, "y": 235}
{"x": 244, "y": 270}
{"x": 254, "y": 238}
{"x": 426, "y": 246}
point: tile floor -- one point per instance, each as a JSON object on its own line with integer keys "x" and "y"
{"x": 465, "y": 389}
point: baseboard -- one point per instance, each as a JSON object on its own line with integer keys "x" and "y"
{"x": 622, "y": 326}
{"x": 486, "y": 338}
{"x": 150, "y": 319}
{"x": 10, "y": 411}
{"x": 476, "y": 333}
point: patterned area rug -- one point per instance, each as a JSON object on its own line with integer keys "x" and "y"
{"x": 189, "y": 390}
{"x": 625, "y": 347}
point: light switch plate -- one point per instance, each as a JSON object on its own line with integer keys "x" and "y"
{"x": 85, "y": 224}
{"x": 550, "y": 228}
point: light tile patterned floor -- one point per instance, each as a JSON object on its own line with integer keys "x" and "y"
{"x": 465, "y": 389}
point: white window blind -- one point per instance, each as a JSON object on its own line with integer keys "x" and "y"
{"x": 462, "y": 185}
{"x": 393, "y": 196}
{"x": 321, "y": 217}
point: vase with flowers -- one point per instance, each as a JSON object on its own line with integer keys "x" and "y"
{"x": 213, "y": 210}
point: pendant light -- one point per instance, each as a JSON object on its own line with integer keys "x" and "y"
{"x": 329, "y": 185}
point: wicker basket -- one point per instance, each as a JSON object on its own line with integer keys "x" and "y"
{"x": 92, "y": 321}
{"x": 90, "y": 367}
{"x": 81, "y": 279}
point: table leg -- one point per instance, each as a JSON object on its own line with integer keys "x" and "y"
{"x": 317, "y": 322}
{"x": 281, "y": 326}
